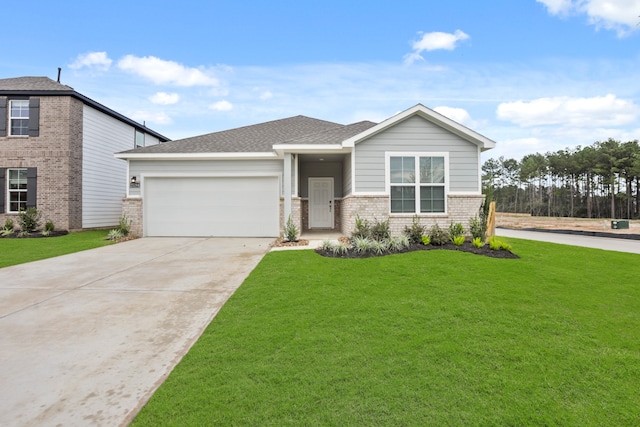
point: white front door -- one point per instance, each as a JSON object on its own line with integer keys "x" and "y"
{"x": 320, "y": 202}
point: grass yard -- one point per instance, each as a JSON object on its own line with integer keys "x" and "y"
{"x": 18, "y": 251}
{"x": 423, "y": 338}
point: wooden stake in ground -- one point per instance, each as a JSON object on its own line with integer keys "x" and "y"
{"x": 491, "y": 220}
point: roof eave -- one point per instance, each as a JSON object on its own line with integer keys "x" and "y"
{"x": 196, "y": 156}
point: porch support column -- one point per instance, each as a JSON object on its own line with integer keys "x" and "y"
{"x": 287, "y": 186}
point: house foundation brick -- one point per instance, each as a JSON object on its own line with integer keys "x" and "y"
{"x": 460, "y": 209}
{"x": 132, "y": 211}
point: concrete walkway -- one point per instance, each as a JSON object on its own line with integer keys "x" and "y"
{"x": 86, "y": 338}
{"x": 606, "y": 243}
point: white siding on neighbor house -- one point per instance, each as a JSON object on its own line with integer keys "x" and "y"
{"x": 416, "y": 135}
{"x": 174, "y": 168}
{"x": 150, "y": 140}
{"x": 104, "y": 178}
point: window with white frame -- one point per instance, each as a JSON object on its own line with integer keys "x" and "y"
{"x": 417, "y": 183}
{"x": 17, "y": 190}
{"x": 19, "y": 117}
{"x": 139, "y": 139}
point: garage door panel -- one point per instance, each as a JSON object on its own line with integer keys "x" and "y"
{"x": 221, "y": 206}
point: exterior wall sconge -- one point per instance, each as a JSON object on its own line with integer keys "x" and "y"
{"x": 134, "y": 182}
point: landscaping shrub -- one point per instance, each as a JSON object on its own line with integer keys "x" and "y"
{"x": 478, "y": 242}
{"x": 455, "y": 230}
{"x": 29, "y": 220}
{"x": 477, "y": 230}
{"x": 426, "y": 240}
{"x": 124, "y": 226}
{"x": 115, "y": 234}
{"x": 49, "y": 226}
{"x": 415, "y": 231}
{"x": 290, "y": 231}
{"x": 458, "y": 240}
{"x": 8, "y": 224}
{"x": 362, "y": 230}
{"x": 497, "y": 245}
{"x": 438, "y": 236}
{"x": 380, "y": 230}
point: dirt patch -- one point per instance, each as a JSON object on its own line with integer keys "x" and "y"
{"x": 526, "y": 221}
{"x": 280, "y": 242}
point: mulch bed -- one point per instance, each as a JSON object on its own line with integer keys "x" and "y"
{"x": 280, "y": 242}
{"x": 465, "y": 247}
{"x": 35, "y": 234}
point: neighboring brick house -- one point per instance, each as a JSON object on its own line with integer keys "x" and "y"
{"x": 56, "y": 154}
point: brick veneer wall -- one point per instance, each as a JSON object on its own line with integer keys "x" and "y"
{"x": 57, "y": 154}
{"x": 375, "y": 208}
{"x": 132, "y": 211}
{"x": 296, "y": 213}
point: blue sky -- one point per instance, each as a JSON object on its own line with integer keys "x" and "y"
{"x": 533, "y": 75}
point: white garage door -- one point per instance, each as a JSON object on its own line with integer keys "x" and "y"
{"x": 220, "y": 206}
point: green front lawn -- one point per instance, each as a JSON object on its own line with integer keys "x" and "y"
{"x": 18, "y": 251}
{"x": 423, "y": 338}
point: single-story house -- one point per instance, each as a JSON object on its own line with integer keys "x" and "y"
{"x": 248, "y": 181}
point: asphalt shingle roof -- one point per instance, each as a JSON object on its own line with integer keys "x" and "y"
{"x": 261, "y": 137}
{"x": 32, "y": 84}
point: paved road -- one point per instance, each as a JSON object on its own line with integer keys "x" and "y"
{"x": 607, "y": 243}
{"x": 86, "y": 338}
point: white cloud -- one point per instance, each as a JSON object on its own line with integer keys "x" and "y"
{"x": 93, "y": 60}
{"x": 164, "y": 98}
{"x": 160, "y": 71}
{"x": 434, "y": 41}
{"x": 565, "y": 111}
{"x": 266, "y": 95}
{"x": 459, "y": 115}
{"x": 221, "y": 106}
{"x": 159, "y": 118}
{"x": 618, "y": 15}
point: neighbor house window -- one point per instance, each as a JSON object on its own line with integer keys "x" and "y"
{"x": 19, "y": 117}
{"x": 17, "y": 190}
{"x": 417, "y": 183}
{"x": 139, "y": 140}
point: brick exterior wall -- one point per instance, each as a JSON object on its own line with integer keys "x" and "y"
{"x": 132, "y": 210}
{"x": 296, "y": 212}
{"x": 375, "y": 208}
{"x": 57, "y": 155}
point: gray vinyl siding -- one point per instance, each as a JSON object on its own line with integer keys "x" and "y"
{"x": 416, "y": 135}
{"x": 140, "y": 168}
{"x": 346, "y": 175}
{"x": 104, "y": 177}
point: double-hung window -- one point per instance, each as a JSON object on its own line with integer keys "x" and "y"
{"x": 417, "y": 183}
{"x": 19, "y": 117}
{"x": 17, "y": 189}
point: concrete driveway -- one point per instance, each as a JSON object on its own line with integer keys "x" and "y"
{"x": 86, "y": 338}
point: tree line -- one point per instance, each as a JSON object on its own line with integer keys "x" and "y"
{"x": 598, "y": 181}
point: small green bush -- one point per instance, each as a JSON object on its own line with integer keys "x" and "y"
{"x": 115, "y": 234}
{"x": 478, "y": 242}
{"x": 362, "y": 230}
{"x": 380, "y": 230}
{"x": 362, "y": 244}
{"x": 458, "y": 240}
{"x": 438, "y": 235}
{"x": 29, "y": 220}
{"x": 426, "y": 240}
{"x": 290, "y": 231}
{"x": 497, "y": 245}
{"x": 49, "y": 227}
{"x": 339, "y": 249}
{"x": 398, "y": 243}
{"x": 415, "y": 231}
{"x": 8, "y": 224}
{"x": 124, "y": 226}
{"x": 455, "y": 230}
{"x": 476, "y": 229}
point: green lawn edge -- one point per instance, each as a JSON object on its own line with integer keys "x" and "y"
{"x": 22, "y": 250}
{"x": 423, "y": 338}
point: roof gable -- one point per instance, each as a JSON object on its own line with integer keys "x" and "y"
{"x": 428, "y": 114}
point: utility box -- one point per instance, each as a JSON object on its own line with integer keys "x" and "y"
{"x": 621, "y": 224}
